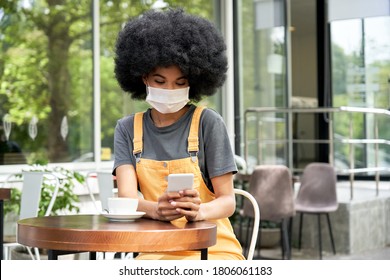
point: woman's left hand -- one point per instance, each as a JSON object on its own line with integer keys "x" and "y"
{"x": 188, "y": 204}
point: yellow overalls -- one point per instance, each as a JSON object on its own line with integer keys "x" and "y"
{"x": 152, "y": 181}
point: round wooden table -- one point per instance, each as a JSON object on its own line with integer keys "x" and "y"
{"x": 95, "y": 233}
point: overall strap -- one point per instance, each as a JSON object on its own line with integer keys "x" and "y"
{"x": 138, "y": 133}
{"x": 193, "y": 139}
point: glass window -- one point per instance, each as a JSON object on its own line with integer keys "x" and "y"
{"x": 46, "y": 77}
{"x": 360, "y": 78}
{"x": 262, "y": 78}
{"x": 46, "y": 81}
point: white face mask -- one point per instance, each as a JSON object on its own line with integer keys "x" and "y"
{"x": 167, "y": 100}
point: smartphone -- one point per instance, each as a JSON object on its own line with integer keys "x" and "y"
{"x": 180, "y": 181}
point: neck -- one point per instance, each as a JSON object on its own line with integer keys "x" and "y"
{"x": 162, "y": 120}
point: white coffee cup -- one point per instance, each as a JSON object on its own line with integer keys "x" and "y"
{"x": 122, "y": 205}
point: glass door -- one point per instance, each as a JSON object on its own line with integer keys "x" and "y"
{"x": 262, "y": 79}
{"x": 360, "y": 59}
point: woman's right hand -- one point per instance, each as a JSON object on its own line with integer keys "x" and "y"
{"x": 164, "y": 209}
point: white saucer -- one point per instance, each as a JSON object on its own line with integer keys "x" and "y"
{"x": 123, "y": 218}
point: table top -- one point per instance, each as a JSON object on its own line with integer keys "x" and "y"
{"x": 95, "y": 233}
{"x": 5, "y": 193}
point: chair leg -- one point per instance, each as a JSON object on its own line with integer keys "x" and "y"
{"x": 286, "y": 248}
{"x": 248, "y": 229}
{"x": 30, "y": 253}
{"x": 319, "y": 235}
{"x": 37, "y": 255}
{"x": 259, "y": 242}
{"x": 331, "y": 234}
{"x": 242, "y": 238}
{"x": 282, "y": 242}
{"x": 288, "y": 237}
{"x": 290, "y": 233}
{"x": 300, "y": 231}
{"x": 6, "y": 252}
{"x": 240, "y": 230}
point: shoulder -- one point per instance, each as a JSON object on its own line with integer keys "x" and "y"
{"x": 210, "y": 115}
{"x": 125, "y": 124}
{"x": 125, "y": 121}
{"x": 211, "y": 119}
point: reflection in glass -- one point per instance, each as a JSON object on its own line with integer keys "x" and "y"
{"x": 47, "y": 73}
{"x": 46, "y": 70}
{"x": 32, "y": 128}
{"x": 360, "y": 78}
{"x": 262, "y": 74}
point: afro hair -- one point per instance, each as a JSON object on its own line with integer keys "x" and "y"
{"x": 172, "y": 37}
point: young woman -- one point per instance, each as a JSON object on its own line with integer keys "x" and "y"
{"x": 172, "y": 59}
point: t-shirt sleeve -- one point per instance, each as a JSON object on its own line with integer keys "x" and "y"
{"x": 218, "y": 153}
{"x": 123, "y": 142}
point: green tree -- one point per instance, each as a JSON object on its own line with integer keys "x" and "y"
{"x": 46, "y": 70}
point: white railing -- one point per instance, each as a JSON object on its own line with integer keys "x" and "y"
{"x": 345, "y": 139}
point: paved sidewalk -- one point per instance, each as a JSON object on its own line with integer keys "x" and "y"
{"x": 305, "y": 254}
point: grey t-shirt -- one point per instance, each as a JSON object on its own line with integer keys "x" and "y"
{"x": 168, "y": 143}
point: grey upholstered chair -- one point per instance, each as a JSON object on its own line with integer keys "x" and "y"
{"x": 317, "y": 195}
{"x": 271, "y": 185}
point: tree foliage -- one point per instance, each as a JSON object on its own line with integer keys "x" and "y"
{"x": 46, "y": 71}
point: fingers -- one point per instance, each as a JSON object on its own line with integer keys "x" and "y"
{"x": 191, "y": 214}
{"x": 189, "y": 193}
{"x": 188, "y": 204}
{"x": 165, "y": 210}
{"x": 175, "y": 205}
{"x": 170, "y": 216}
